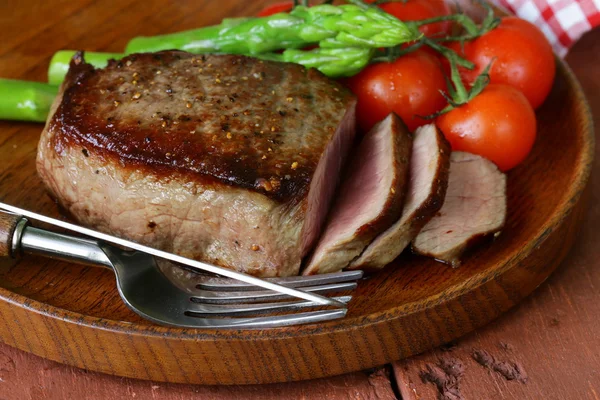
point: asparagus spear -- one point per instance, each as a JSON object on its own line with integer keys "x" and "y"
{"x": 344, "y": 26}
{"x": 332, "y": 62}
{"x": 358, "y": 26}
{"x": 59, "y": 65}
{"x": 25, "y": 101}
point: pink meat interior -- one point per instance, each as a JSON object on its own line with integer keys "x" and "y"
{"x": 326, "y": 178}
{"x": 365, "y": 191}
{"x": 423, "y": 169}
{"x": 475, "y": 204}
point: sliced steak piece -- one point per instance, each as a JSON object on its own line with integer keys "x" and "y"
{"x": 429, "y": 166}
{"x": 475, "y": 206}
{"x": 221, "y": 158}
{"x": 370, "y": 197}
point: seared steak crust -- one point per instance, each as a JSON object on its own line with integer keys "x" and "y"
{"x": 224, "y": 159}
{"x": 222, "y": 118}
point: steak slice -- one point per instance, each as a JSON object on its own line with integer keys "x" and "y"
{"x": 220, "y": 158}
{"x": 370, "y": 197}
{"x": 475, "y": 206}
{"x": 429, "y": 166}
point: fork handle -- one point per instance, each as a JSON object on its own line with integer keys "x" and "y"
{"x": 9, "y": 224}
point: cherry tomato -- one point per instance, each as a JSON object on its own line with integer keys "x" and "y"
{"x": 415, "y": 10}
{"x": 409, "y": 86}
{"x": 522, "y": 57}
{"x": 498, "y": 124}
{"x": 276, "y": 8}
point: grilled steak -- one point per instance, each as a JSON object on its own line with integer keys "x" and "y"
{"x": 429, "y": 166}
{"x": 370, "y": 197}
{"x": 475, "y": 206}
{"x": 225, "y": 159}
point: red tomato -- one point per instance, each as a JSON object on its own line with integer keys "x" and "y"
{"x": 522, "y": 58}
{"x": 415, "y": 10}
{"x": 409, "y": 86}
{"x": 499, "y": 124}
{"x": 276, "y": 8}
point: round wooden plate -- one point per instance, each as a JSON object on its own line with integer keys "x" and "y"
{"x": 73, "y": 314}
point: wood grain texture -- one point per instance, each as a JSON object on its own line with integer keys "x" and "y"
{"x": 27, "y": 377}
{"x": 554, "y": 336}
{"x": 74, "y": 315}
{"x": 8, "y": 223}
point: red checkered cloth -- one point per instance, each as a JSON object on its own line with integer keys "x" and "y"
{"x": 562, "y": 21}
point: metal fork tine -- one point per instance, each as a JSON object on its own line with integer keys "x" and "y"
{"x": 275, "y": 321}
{"x": 157, "y": 297}
{"x": 222, "y": 297}
{"x": 211, "y": 310}
{"x": 226, "y": 284}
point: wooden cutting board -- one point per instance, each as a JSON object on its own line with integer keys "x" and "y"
{"x": 74, "y": 315}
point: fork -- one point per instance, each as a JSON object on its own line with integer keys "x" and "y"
{"x": 204, "y": 301}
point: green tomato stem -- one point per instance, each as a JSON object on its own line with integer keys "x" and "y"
{"x": 392, "y": 54}
{"x": 467, "y": 23}
{"x": 458, "y": 94}
{"x": 449, "y": 53}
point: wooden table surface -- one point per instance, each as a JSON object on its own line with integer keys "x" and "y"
{"x": 546, "y": 348}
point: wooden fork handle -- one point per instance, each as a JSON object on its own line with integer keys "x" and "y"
{"x": 8, "y": 225}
